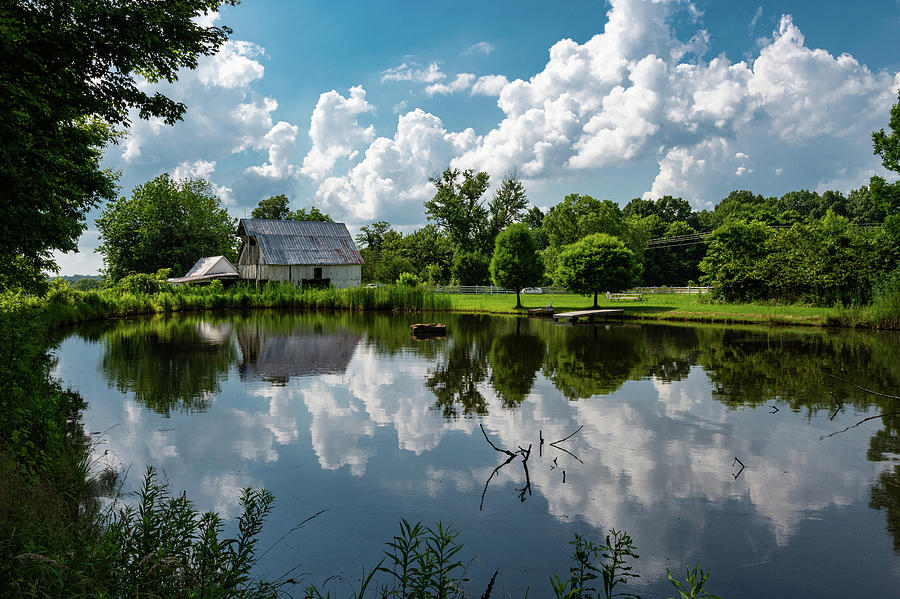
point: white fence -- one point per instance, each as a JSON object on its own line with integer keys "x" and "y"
{"x": 669, "y": 290}
{"x": 492, "y": 290}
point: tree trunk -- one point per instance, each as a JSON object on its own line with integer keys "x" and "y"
{"x": 595, "y": 299}
{"x": 518, "y": 300}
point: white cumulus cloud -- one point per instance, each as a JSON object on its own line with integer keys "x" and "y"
{"x": 634, "y": 94}
{"x": 335, "y": 131}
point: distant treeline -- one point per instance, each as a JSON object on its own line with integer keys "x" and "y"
{"x": 801, "y": 247}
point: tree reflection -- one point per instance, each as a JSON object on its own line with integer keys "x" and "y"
{"x": 516, "y": 359}
{"x": 588, "y": 360}
{"x": 169, "y": 364}
{"x": 465, "y": 366}
{"x": 885, "y": 446}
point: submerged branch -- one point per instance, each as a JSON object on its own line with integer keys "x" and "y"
{"x": 567, "y": 438}
{"x": 864, "y": 420}
{"x": 889, "y": 396}
{"x": 506, "y": 451}
{"x": 488, "y": 481}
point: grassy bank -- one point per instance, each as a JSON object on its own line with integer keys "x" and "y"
{"x": 64, "y": 305}
{"x": 694, "y": 308}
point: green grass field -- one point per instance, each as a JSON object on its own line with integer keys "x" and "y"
{"x": 655, "y": 307}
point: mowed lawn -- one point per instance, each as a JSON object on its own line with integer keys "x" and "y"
{"x": 654, "y": 307}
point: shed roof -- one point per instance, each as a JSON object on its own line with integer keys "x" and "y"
{"x": 208, "y": 268}
{"x": 301, "y": 242}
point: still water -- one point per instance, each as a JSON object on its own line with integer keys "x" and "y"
{"x": 347, "y": 413}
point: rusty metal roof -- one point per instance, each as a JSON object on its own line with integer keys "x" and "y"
{"x": 301, "y": 242}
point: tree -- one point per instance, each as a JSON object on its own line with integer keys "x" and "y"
{"x": 276, "y": 208}
{"x": 457, "y": 206}
{"x": 507, "y": 205}
{"x": 888, "y": 145}
{"x": 516, "y": 263}
{"x": 164, "y": 224}
{"x": 733, "y": 261}
{"x": 68, "y": 78}
{"x": 314, "y": 214}
{"x": 599, "y": 262}
{"x": 471, "y": 268}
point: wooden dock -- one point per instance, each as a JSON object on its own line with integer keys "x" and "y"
{"x": 588, "y": 314}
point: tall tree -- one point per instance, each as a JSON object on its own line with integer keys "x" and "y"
{"x": 457, "y": 206}
{"x": 599, "y": 262}
{"x": 275, "y": 208}
{"x": 516, "y": 263}
{"x": 69, "y": 76}
{"x": 164, "y": 224}
{"x": 506, "y": 207}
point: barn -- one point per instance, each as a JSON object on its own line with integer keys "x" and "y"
{"x": 207, "y": 269}
{"x": 302, "y": 252}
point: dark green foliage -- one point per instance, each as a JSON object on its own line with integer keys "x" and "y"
{"x": 313, "y": 214}
{"x": 457, "y": 206}
{"x": 507, "y": 206}
{"x": 597, "y": 263}
{"x": 888, "y": 145}
{"x": 275, "y": 208}
{"x": 471, "y": 268}
{"x": 165, "y": 224}
{"x": 822, "y": 261}
{"x": 68, "y": 78}
{"x": 534, "y": 218}
{"x": 163, "y": 547}
{"x": 675, "y": 265}
{"x": 516, "y": 263}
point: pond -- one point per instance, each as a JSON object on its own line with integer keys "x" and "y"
{"x": 711, "y": 445}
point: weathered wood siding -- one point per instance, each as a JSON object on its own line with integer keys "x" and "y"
{"x": 341, "y": 275}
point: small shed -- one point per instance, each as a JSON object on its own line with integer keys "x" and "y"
{"x": 302, "y": 252}
{"x": 207, "y": 269}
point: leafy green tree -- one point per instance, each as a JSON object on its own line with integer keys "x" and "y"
{"x": 457, "y": 206}
{"x": 580, "y": 215}
{"x": 731, "y": 264}
{"x": 313, "y": 214}
{"x": 887, "y": 195}
{"x": 68, "y": 79}
{"x": 164, "y": 224}
{"x": 471, "y": 268}
{"x": 275, "y": 208}
{"x": 516, "y": 263}
{"x": 506, "y": 207}
{"x": 534, "y": 218}
{"x": 429, "y": 248}
{"x": 599, "y": 262}
{"x": 888, "y": 145}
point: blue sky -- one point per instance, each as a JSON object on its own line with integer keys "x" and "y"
{"x": 351, "y": 106}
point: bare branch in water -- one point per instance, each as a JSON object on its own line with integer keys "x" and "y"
{"x": 569, "y": 437}
{"x": 506, "y": 451}
{"x": 488, "y": 481}
{"x": 844, "y": 430}
{"x": 863, "y": 388}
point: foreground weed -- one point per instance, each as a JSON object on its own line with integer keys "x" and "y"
{"x": 163, "y": 547}
{"x": 692, "y": 587}
{"x": 613, "y": 568}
